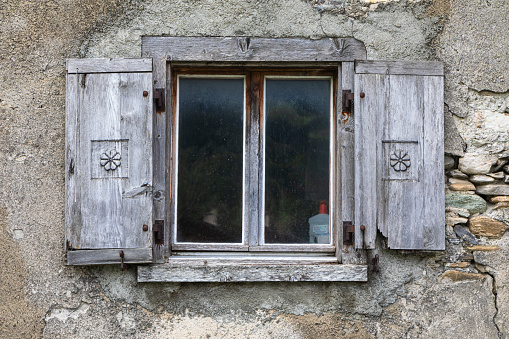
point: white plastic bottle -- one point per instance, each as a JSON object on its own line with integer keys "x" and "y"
{"x": 319, "y": 226}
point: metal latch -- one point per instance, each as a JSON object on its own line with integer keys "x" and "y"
{"x": 158, "y": 231}
{"x": 159, "y": 101}
{"x": 348, "y": 233}
{"x": 347, "y": 101}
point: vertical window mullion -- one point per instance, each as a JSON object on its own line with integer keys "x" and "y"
{"x": 253, "y": 158}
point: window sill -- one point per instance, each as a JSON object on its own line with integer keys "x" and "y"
{"x": 232, "y": 270}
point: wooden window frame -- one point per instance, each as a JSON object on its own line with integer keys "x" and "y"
{"x": 171, "y": 55}
{"x": 254, "y": 142}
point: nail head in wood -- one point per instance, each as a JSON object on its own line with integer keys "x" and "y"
{"x": 145, "y": 228}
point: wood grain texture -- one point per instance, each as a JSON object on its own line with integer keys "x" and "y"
{"x": 107, "y": 112}
{"x": 253, "y": 164}
{"x": 337, "y": 183}
{"x": 429, "y": 68}
{"x": 246, "y": 260}
{"x": 366, "y": 147}
{"x": 293, "y": 248}
{"x": 109, "y": 256}
{"x": 159, "y": 160}
{"x": 350, "y": 254}
{"x": 106, "y": 65}
{"x": 250, "y": 273}
{"x": 232, "y": 49}
{"x": 400, "y": 115}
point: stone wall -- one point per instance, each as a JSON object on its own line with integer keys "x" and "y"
{"x": 461, "y": 292}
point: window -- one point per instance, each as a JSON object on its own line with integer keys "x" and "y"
{"x": 237, "y": 159}
{"x": 249, "y": 176}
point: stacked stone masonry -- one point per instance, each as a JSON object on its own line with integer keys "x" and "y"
{"x": 461, "y": 292}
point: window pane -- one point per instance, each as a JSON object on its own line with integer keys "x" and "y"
{"x": 297, "y": 147}
{"x": 210, "y": 160}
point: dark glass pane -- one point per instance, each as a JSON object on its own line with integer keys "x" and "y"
{"x": 297, "y": 158}
{"x": 210, "y": 158}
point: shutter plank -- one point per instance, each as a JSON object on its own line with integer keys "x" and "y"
{"x": 407, "y": 109}
{"x": 434, "y": 199}
{"x": 109, "y": 138}
{"x": 367, "y": 136}
{"x": 109, "y": 256}
{"x": 72, "y": 189}
{"x": 402, "y": 132}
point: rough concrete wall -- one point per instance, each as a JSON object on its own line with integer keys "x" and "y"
{"x": 461, "y": 292}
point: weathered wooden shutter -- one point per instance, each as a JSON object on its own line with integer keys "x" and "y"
{"x": 108, "y": 161}
{"x": 399, "y": 138}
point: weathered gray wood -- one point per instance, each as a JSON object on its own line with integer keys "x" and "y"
{"x": 401, "y": 117}
{"x": 159, "y": 162}
{"x": 250, "y": 260}
{"x": 399, "y": 67}
{"x": 366, "y": 147}
{"x": 253, "y": 163}
{"x": 109, "y": 256}
{"x": 209, "y": 247}
{"x": 245, "y": 273}
{"x": 233, "y": 49}
{"x": 106, "y": 65}
{"x": 337, "y": 215}
{"x": 109, "y": 160}
{"x": 433, "y": 167}
{"x": 350, "y": 254}
{"x": 292, "y": 248}
{"x": 72, "y": 151}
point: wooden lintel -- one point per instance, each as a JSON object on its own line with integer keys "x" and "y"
{"x": 245, "y": 49}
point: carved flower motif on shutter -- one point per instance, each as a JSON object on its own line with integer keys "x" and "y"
{"x": 110, "y": 160}
{"x": 400, "y": 161}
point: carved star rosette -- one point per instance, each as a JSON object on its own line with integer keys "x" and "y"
{"x": 400, "y": 161}
{"x": 110, "y": 160}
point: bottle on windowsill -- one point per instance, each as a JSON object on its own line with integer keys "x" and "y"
{"x": 319, "y": 226}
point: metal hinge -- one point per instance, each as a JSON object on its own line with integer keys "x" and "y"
{"x": 348, "y": 233}
{"x": 158, "y": 231}
{"x": 159, "y": 101}
{"x": 347, "y": 101}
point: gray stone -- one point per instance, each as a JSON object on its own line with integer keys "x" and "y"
{"x": 473, "y": 203}
{"x": 448, "y": 162}
{"x": 476, "y": 163}
{"x": 453, "y": 142}
{"x": 458, "y": 174}
{"x": 506, "y": 179}
{"x": 500, "y": 164}
{"x": 495, "y": 189}
{"x": 481, "y": 179}
{"x": 506, "y": 169}
{"x": 498, "y": 175}
{"x": 464, "y": 234}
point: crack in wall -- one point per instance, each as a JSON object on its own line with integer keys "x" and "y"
{"x": 495, "y": 295}
{"x": 484, "y": 269}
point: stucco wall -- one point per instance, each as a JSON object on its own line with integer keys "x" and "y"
{"x": 461, "y": 292}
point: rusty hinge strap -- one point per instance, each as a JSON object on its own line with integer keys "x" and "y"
{"x": 158, "y": 231}
{"x": 348, "y": 233}
{"x": 159, "y": 101}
